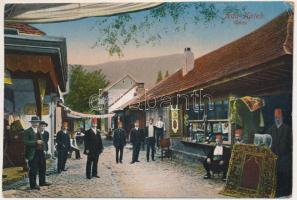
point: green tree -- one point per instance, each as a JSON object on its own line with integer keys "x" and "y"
{"x": 160, "y": 76}
{"x": 166, "y": 74}
{"x": 116, "y": 32}
{"x": 83, "y": 85}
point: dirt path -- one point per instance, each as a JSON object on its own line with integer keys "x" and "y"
{"x": 154, "y": 179}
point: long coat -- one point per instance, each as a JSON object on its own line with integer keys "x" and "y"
{"x": 136, "y": 136}
{"x": 119, "y": 137}
{"x": 30, "y": 143}
{"x": 93, "y": 143}
{"x": 63, "y": 141}
{"x": 282, "y": 144}
{"x": 45, "y": 137}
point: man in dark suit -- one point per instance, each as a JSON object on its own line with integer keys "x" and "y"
{"x": 136, "y": 135}
{"x": 45, "y": 134}
{"x": 63, "y": 147}
{"x": 35, "y": 147}
{"x": 119, "y": 141}
{"x": 93, "y": 148}
{"x": 150, "y": 140}
{"x": 282, "y": 146}
{"x": 217, "y": 159}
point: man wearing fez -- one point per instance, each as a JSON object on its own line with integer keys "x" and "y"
{"x": 217, "y": 159}
{"x": 93, "y": 148}
{"x": 282, "y": 146}
{"x": 63, "y": 147}
{"x": 119, "y": 141}
{"x": 135, "y": 139}
{"x": 35, "y": 147}
{"x": 150, "y": 140}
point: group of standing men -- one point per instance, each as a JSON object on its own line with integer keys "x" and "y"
{"x": 151, "y": 135}
{"x": 36, "y": 144}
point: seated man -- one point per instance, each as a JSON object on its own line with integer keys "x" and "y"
{"x": 217, "y": 159}
{"x": 238, "y": 136}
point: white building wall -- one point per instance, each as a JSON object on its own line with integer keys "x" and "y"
{"x": 117, "y": 90}
{"x": 58, "y": 118}
{"x": 123, "y": 100}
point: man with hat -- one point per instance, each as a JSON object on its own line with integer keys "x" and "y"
{"x": 63, "y": 147}
{"x": 136, "y": 135}
{"x": 282, "y": 146}
{"x": 93, "y": 148}
{"x": 217, "y": 159}
{"x": 35, "y": 147}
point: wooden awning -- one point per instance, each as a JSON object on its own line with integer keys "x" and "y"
{"x": 31, "y": 63}
{"x": 37, "y": 54}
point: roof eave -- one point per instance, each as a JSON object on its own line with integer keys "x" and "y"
{"x": 54, "y": 46}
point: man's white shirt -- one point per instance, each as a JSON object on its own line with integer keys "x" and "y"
{"x": 94, "y": 130}
{"x": 150, "y": 130}
{"x": 160, "y": 124}
{"x": 218, "y": 151}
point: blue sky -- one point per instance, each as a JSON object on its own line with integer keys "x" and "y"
{"x": 202, "y": 38}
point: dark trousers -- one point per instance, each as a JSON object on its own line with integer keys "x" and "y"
{"x": 136, "y": 149}
{"x": 119, "y": 149}
{"x": 62, "y": 158}
{"x": 77, "y": 153}
{"x": 150, "y": 146}
{"x": 37, "y": 164}
{"x": 142, "y": 145}
{"x": 92, "y": 164}
{"x": 214, "y": 166}
{"x": 160, "y": 135}
{"x": 284, "y": 177}
{"x": 284, "y": 184}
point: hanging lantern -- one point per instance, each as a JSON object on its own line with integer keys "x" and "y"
{"x": 7, "y": 77}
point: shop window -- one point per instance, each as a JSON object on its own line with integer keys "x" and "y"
{"x": 18, "y": 95}
{"x": 217, "y": 121}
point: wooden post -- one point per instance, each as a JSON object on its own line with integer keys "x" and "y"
{"x": 37, "y": 98}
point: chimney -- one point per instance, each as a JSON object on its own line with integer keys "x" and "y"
{"x": 188, "y": 62}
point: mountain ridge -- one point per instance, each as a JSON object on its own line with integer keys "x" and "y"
{"x": 142, "y": 69}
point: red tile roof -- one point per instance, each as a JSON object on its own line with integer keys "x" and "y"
{"x": 270, "y": 41}
{"x": 24, "y": 28}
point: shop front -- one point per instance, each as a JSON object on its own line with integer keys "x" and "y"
{"x": 35, "y": 66}
{"x": 229, "y": 89}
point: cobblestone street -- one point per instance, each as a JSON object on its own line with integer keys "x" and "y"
{"x": 154, "y": 179}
